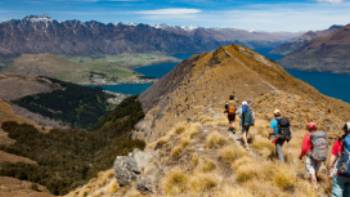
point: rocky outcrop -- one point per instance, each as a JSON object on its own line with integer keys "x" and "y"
{"x": 130, "y": 169}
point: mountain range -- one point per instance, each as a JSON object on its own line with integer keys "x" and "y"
{"x": 37, "y": 34}
{"x": 325, "y": 51}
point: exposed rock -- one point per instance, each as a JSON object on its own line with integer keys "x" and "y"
{"x": 129, "y": 169}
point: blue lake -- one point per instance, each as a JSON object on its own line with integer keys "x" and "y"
{"x": 127, "y": 88}
{"x": 334, "y": 85}
{"x": 156, "y": 70}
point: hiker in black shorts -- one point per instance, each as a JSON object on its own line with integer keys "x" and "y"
{"x": 230, "y": 109}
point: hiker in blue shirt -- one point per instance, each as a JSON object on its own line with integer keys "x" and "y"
{"x": 276, "y": 135}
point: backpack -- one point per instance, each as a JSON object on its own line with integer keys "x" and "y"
{"x": 284, "y": 129}
{"x": 344, "y": 160}
{"x": 231, "y": 108}
{"x": 247, "y": 117}
{"x": 319, "y": 142}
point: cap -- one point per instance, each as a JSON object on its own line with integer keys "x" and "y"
{"x": 311, "y": 126}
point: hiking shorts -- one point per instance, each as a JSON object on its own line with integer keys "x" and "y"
{"x": 231, "y": 117}
{"x": 245, "y": 128}
{"x": 312, "y": 166}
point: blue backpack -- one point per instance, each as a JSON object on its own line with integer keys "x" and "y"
{"x": 247, "y": 116}
{"x": 344, "y": 161}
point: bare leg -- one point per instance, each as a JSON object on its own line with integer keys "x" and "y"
{"x": 245, "y": 130}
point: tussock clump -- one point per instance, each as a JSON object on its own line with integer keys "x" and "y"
{"x": 231, "y": 191}
{"x": 192, "y": 130}
{"x": 231, "y": 153}
{"x": 185, "y": 142}
{"x": 247, "y": 172}
{"x": 285, "y": 178}
{"x": 176, "y": 152}
{"x": 207, "y": 165}
{"x": 263, "y": 146}
{"x": 241, "y": 161}
{"x": 180, "y": 130}
{"x": 305, "y": 189}
{"x": 195, "y": 160}
{"x": 175, "y": 182}
{"x": 203, "y": 182}
{"x": 215, "y": 140}
{"x": 113, "y": 187}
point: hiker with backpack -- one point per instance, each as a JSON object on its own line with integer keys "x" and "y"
{"x": 339, "y": 164}
{"x": 281, "y": 133}
{"x": 247, "y": 120}
{"x": 230, "y": 109}
{"x": 315, "y": 148}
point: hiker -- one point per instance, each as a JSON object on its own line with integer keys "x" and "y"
{"x": 315, "y": 148}
{"x": 247, "y": 120}
{"x": 339, "y": 164}
{"x": 279, "y": 135}
{"x": 230, "y": 109}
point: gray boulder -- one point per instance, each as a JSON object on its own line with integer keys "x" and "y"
{"x": 130, "y": 169}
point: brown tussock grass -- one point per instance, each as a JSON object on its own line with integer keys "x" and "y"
{"x": 203, "y": 182}
{"x": 231, "y": 153}
{"x": 195, "y": 160}
{"x": 284, "y": 177}
{"x": 215, "y": 140}
{"x": 247, "y": 172}
{"x": 175, "y": 182}
{"x": 233, "y": 191}
{"x": 262, "y": 145}
{"x": 207, "y": 165}
{"x": 179, "y": 130}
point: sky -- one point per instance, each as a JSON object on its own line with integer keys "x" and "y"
{"x": 252, "y": 15}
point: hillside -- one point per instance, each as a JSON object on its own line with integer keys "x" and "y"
{"x": 323, "y": 52}
{"x": 54, "y": 103}
{"x": 82, "y": 69}
{"x": 63, "y": 159}
{"x": 12, "y": 186}
{"x": 299, "y": 42}
{"x": 190, "y": 152}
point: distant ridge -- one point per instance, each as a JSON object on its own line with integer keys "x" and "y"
{"x": 42, "y": 34}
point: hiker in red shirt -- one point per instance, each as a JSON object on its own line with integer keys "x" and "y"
{"x": 315, "y": 148}
{"x": 339, "y": 164}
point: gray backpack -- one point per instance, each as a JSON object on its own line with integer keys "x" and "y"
{"x": 319, "y": 145}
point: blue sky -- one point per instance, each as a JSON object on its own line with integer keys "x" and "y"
{"x": 268, "y": 15}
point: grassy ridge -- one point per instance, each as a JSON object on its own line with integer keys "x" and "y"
{"x": 69, "y": 158}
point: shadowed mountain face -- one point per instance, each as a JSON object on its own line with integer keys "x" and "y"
{"x": 35, "y": 34}
{"x": 322, "y": 51}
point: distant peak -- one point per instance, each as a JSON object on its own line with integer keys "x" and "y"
{"x": 336, "y": 27}
{"x": 34, "y": 18}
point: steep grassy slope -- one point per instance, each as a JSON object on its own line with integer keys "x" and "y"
{"x": 68, "y": 158}
{"x": 186, "y": 130}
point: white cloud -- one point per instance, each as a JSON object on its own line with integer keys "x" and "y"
{"x": 170, "y": 11}
{"x": 330, "y": 1}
